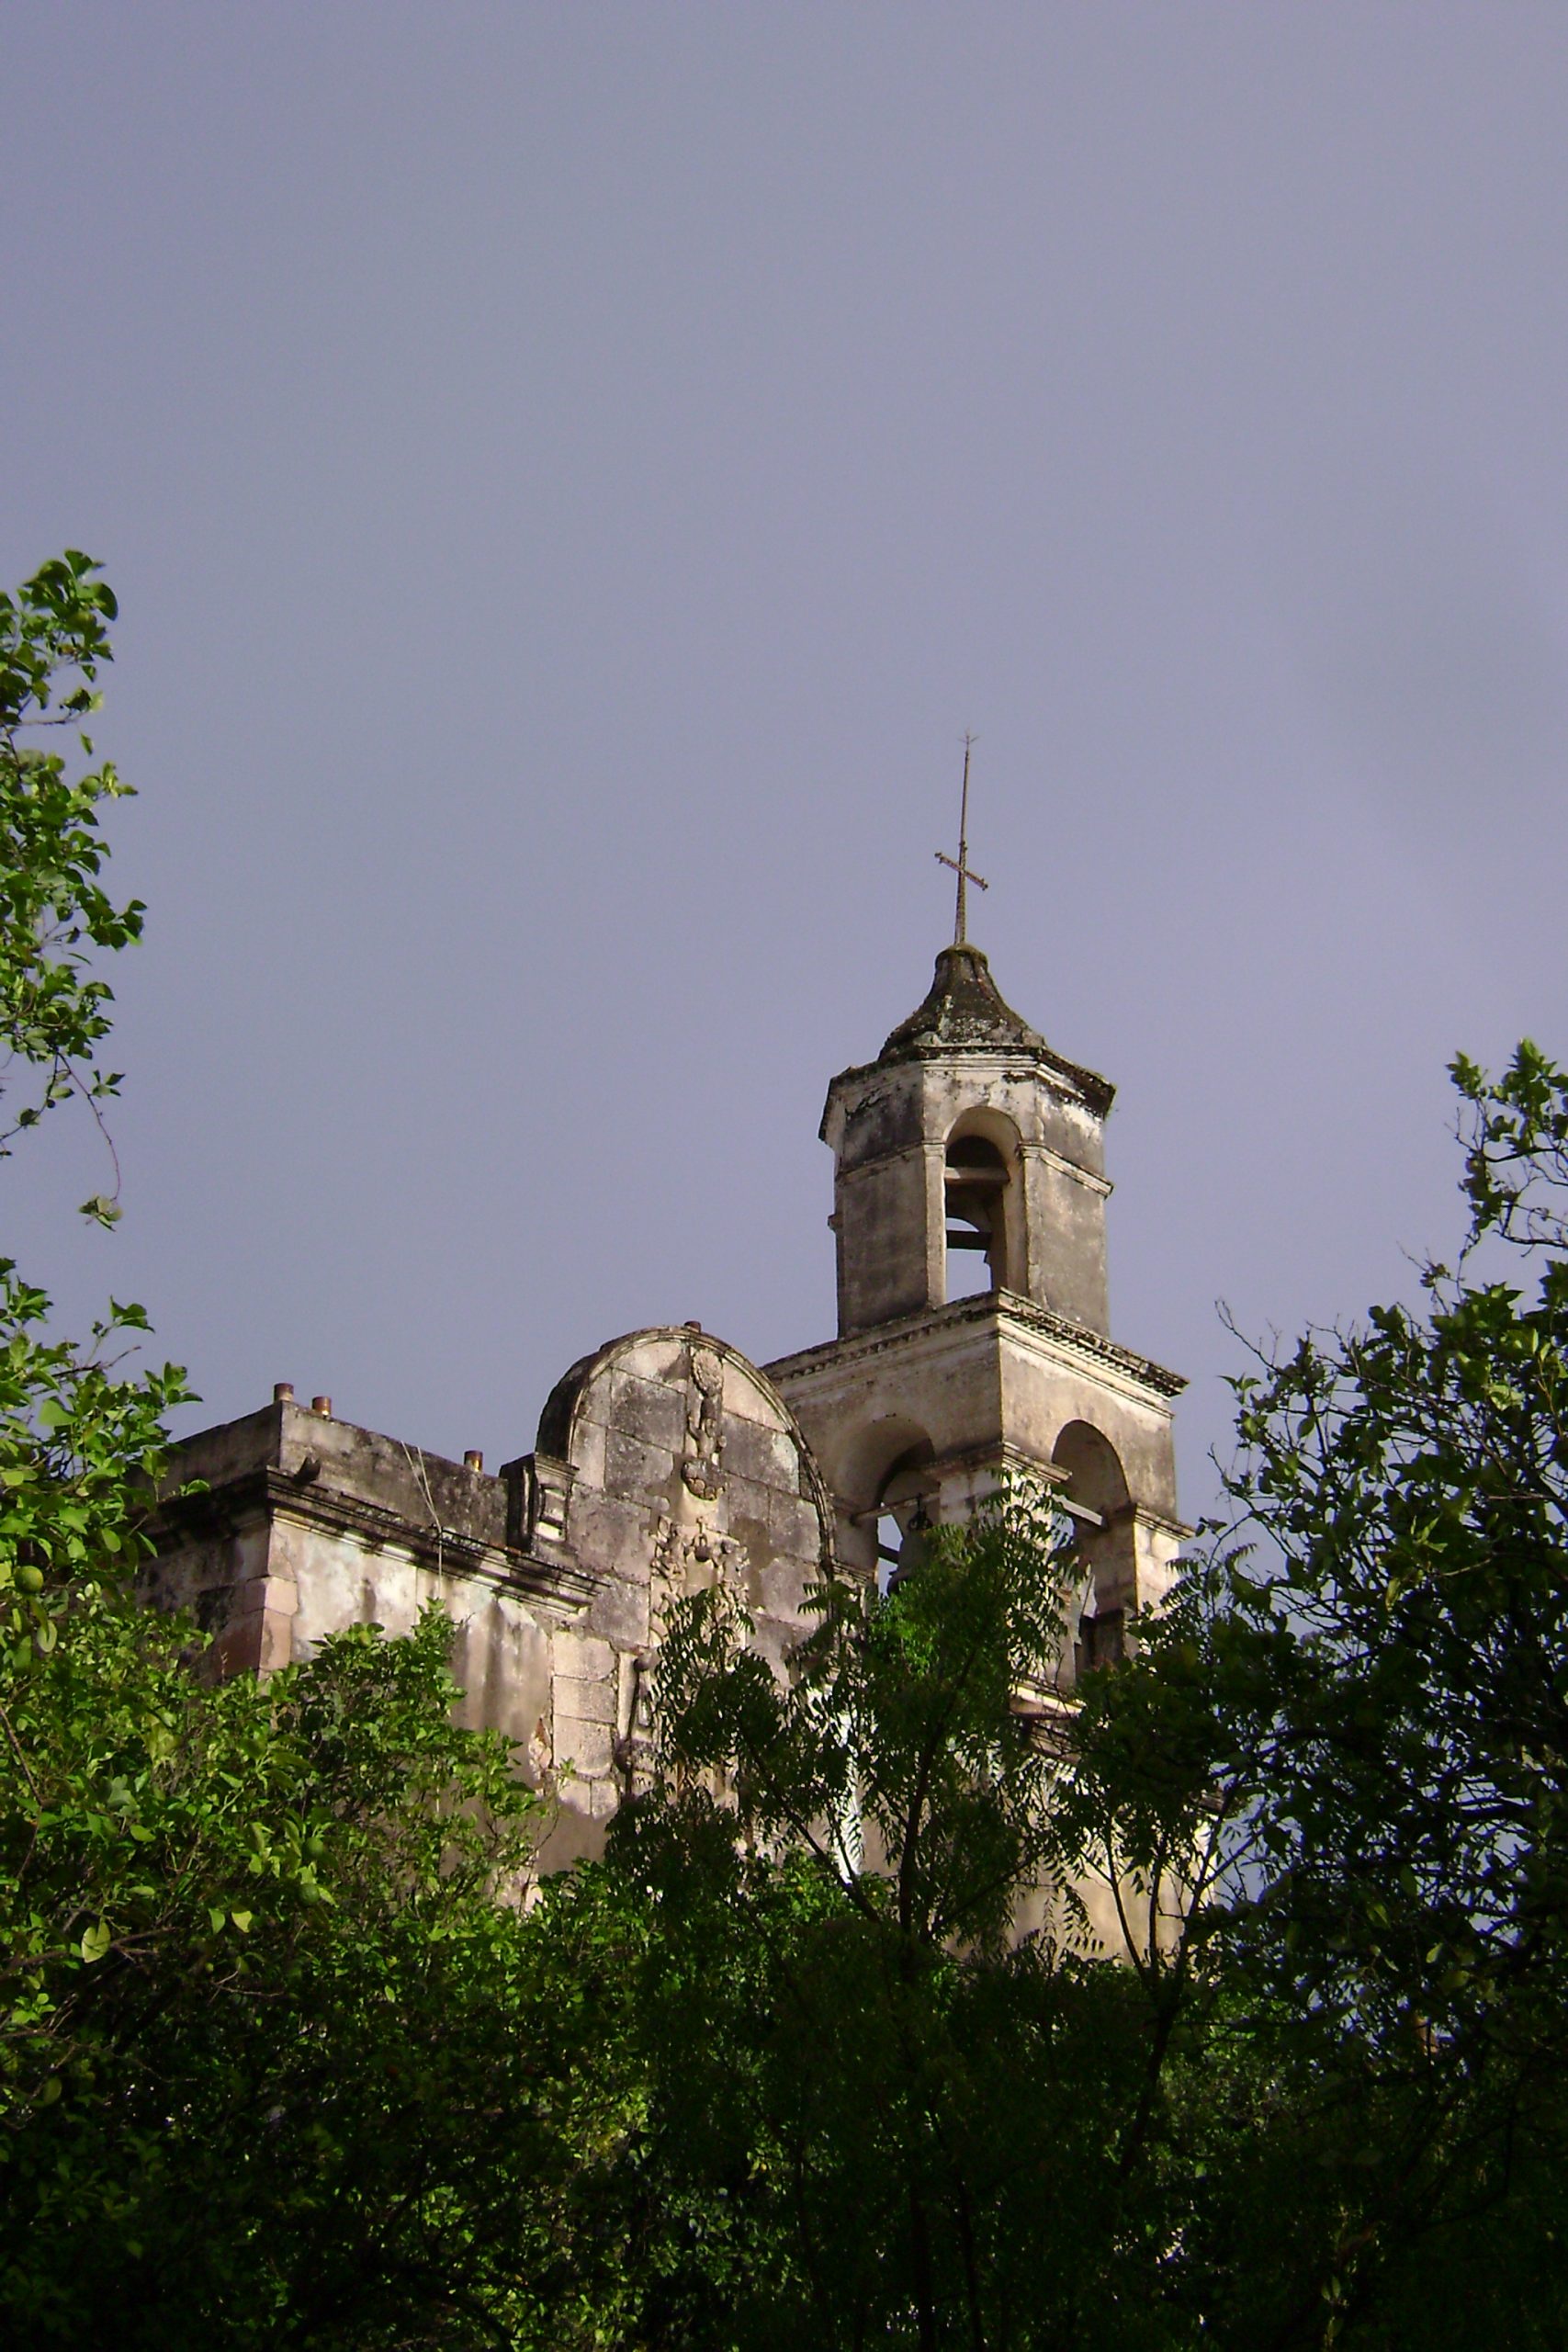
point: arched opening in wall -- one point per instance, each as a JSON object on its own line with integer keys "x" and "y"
{"x": 904, "y": 1513}
{"x": 975, "y": 1180}
{"x": 1097, "y": 1500}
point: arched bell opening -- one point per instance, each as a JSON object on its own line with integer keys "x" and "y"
{"x": 1096, "y": 1499}
{"x": 890, "y": 1486}
{"x": 980, "y": 1199}
{"x": 904, "y": 1513}
{"x": 899, "y": 1482}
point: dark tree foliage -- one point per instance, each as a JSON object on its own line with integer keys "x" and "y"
{"x": 899, "y": 2124}
{"x": 1320, "y": 2098}
{"x": 1357, "y": 1720}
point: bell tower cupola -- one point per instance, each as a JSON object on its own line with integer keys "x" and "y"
{"x": 967, "y": 1139}
{"x": 974, "y": 1338}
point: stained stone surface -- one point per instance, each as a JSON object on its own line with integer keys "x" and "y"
{"x": 665, "y": 1459}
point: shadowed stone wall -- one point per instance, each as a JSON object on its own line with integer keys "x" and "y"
{"x": 665, "y": 1462}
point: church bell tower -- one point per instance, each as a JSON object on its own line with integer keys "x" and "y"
{"x": 974, "y": 1330}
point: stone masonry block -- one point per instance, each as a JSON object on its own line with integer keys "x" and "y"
{"x": 620, "y": 1614}
{"x": 752, "y": 1536}
{"x": 745, "y": 1399}
{"x": 784, "y": 1587}
{"x": 745, "y": 1498}
{"x": 797, "y": 1532}
{"x": 581, "y": 1655}
{"x": 589, "y": 1702}
{"x": 636, "y": 1470}
{"x": 588, "y": 1451}
{"x": 613, "y": 1537}
{"x": 645, "y": 1410}
{"x": 588, "y": 1748}
{"x": 278, "y": 1596}
{"x": 767, "y": 1456}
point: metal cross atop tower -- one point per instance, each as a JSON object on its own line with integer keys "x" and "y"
{"x": 960, "y": 865}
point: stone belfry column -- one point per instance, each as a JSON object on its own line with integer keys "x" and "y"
{"x": 969, "y": 1153}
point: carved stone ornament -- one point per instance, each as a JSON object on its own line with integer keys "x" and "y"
{"x": 687, "y": 1558}
{"x": 702, "y": 1469}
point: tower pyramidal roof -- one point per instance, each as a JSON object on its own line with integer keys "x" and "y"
{"x": 962, "y": 1006}
{"x": 964, "y": 1012}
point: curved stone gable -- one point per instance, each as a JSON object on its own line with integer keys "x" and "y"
{"x": 678, "y": 1452}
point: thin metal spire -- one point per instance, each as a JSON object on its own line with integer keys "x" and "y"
{"x": 960, "y": 865}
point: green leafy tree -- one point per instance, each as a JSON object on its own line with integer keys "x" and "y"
{"x": 1353, "y": 1721}
{"x": 54, "y": 1007}
{"x": 853, "y": 2106}
{"x": 259, "y": 1944}
{"x": 1320, "y": 2100}
{"x": 265, "y": 1980}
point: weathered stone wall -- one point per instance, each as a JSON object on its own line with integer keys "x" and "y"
{"x": 985, "y": 1385}
{"x": 890, "y": 1129}
{"x": 308, "y": 1524}
{"x": 665, "y": 1461}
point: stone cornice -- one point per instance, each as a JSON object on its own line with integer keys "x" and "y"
{"x": 267, "y": 1493}
{"x": 1070, "y": 1080}
{"x": 1000, "y": 1308}
{"x": 1089, "y": 1178}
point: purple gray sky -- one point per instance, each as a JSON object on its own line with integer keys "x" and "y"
{"x": 572, "y": 473}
